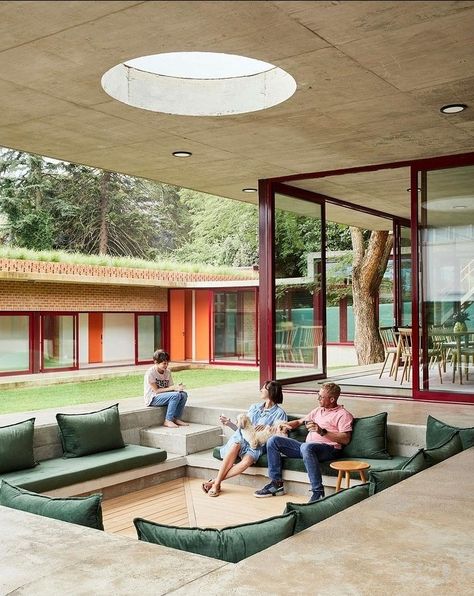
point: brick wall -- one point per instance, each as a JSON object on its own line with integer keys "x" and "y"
{"x": 31, "y": 296}
{"x": 20, "y": 266}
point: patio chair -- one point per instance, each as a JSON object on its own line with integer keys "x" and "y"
{"x": 390, "y": 346}
{"x": 309, "y": 339}
{"x": 406, "y": 353}
{"x": 284, "y": 341}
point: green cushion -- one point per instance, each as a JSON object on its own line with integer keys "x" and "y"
{"x": 379, "y": 481}
{"x": 229, "y": 544}
{"x": 85, "y": 511}
{"x": 83, "y": 434}
{"x": 437, "y": 432}
{"x": 369, "y": 438}
{"x": 297, "y": 465}
{"x": 300, "y": 433}
{"x": 58, "y": 472}
{"x": 416, "y": 463}
{"x": 308, "y": 514}
{"x": 449, "y": 448}
{"x": 16, "y": 446}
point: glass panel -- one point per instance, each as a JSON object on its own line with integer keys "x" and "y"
{"x": 14, "y": 343}
{"x": 234, "y": 326}
{"x": 298, "y": 317}
{"x": 447, "y": 258}
{"x": 405, "y": 276}
{"x": 149, "y": 336}
{"x": 58, "y": 341}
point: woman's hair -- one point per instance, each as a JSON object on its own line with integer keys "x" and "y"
{"x": 160, "y": 356}
{"x": 274, "y": 391}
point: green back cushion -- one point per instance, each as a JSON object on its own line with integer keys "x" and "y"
{"x": 379, "y": 481}
{"x": 82, "y": 434}
{"x": 308, "y": 514}
{"x": 416, "y": 463}
{"x": 16, "y": 446}
{"x": 369, "y": 438}
{"x": 229, "y": 544}
{"x": 85, "y": 511}
{"x": 438, "y": 432}
{"x": 300, "y": 433}
{"x": 449, "y": 448}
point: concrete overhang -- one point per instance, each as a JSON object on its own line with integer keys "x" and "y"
{"x": 371, "y": 78}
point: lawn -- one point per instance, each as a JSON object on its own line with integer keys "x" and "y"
{"x": 26, "y": 399}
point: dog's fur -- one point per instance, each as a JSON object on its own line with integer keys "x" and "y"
{"x": 253, "y": 437}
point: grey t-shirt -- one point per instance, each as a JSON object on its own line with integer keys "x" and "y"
{"x": 162, "y": 380}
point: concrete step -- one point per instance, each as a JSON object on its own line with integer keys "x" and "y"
{"x": 183, "y": 440}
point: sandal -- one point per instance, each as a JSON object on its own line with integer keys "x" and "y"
{"x": 214, "y": 492}
{"x": 203, "y": 485}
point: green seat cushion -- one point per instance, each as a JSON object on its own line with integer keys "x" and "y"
{"x": 83, "y": 434}
{"x": 297, "y": 465}
{"x": 300, "y": 433}
{"x": 84, "y": 511}
{"x": 55, "y": 473}
{"x": 449, "y": 448}
{"x": 369, "y": 438}
{"x": 416, "y": 463}
{"x": 308, "y": 514}
{"x": 437, "y": 432}
{"x": 16, "y": 446}
{"x": 230, "y": 544}
{"x": 379, "y": 481}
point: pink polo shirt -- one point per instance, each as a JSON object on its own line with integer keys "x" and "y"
{"x": 337, "y": 420}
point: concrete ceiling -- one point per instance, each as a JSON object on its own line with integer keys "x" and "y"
{"x": 371, "y": 77}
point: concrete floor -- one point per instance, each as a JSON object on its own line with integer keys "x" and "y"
{"x": 240, "y": 395}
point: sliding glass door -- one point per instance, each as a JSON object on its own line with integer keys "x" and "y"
{"x": 59, "y": 341}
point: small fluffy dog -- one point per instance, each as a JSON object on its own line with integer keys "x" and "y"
{"x": 256, "y": 438}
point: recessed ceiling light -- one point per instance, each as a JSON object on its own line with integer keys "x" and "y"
{"x": 249, "y": 190}
{"x": 453, "y": 108}
{"x": 460, "y": 207}
{"x": 182, "y": 153}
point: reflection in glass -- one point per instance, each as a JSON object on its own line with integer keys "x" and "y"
{"x": 447, "y": 256}
{"x": 234, "y": 328}
{"x": 58, "y": 341}
{"x": 298, "y": 322}
{"x": 149, "y": 336}
{"x": 14, "y": 343}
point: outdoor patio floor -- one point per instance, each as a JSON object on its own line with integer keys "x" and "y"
{"x": 182, "y": 502}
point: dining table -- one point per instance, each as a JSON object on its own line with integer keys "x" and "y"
{"x": 457, "y": 337}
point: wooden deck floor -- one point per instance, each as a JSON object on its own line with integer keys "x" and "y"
{"x": 182, "y": 502}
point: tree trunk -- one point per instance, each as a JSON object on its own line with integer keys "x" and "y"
{"x": 104, "y": 210}
{"x": 368, "y": 266}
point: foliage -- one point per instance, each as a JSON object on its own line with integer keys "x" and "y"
{"x": 222, "y": 231}
{"x": 24, "y": 254}
{"x": 52, "y": 205}
{"x": 460, "y": 317}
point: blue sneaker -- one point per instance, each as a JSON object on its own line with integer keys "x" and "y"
{"x": 316, "y": 497}
{"x": 273, "y": 489}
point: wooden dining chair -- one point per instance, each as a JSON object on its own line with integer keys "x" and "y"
{"x": 390, "y": 346}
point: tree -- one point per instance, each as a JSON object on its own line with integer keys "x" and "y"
{"x": 222, "y": 231}
{"x": 369, "y": 263}
{"x": 55, "y": 205}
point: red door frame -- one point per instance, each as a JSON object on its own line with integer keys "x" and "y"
{"x": 75, "y": 336}
{"x": 266, "y": 225}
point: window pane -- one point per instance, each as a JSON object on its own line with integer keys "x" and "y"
{"x": 14, "y": 343}
{"x": 149, "y": 336}
{"x": 58, "y": 341}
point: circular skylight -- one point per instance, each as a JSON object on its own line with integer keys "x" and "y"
{"x": 198, "y": 84}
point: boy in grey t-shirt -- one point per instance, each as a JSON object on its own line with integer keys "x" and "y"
{"x": 159, "y": 390}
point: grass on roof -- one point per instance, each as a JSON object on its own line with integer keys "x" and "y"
{"x": 60, "y": 256}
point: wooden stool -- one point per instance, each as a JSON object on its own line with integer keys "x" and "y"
{"x": 346, "y": 467}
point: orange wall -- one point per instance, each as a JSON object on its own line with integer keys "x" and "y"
{"x": 95, "y": 337}
{"x": 177, "y": 311}
{"x": 201, "y": 303}
{"x": 188, "y": 336}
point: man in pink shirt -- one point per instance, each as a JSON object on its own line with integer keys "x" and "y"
{"x": 329, "y": 426}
